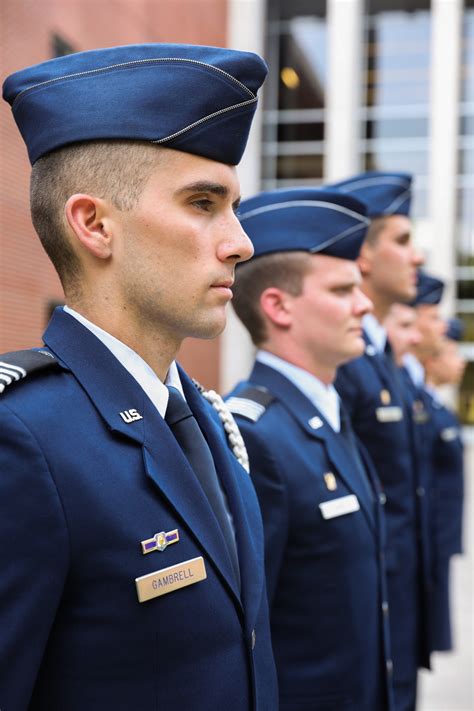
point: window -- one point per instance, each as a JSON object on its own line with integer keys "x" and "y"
{"x": 293, "y": 132}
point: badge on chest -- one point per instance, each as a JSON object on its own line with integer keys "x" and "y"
{"x": 167, "y": 580}
{"x": 339, "y": 507}
{"x": 391, "y": 413}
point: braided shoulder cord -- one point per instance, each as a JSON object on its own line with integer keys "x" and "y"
{"x": 230, "y": 425}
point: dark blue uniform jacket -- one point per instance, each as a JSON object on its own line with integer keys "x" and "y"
{"x": 447, "y": 508}
{"x": 381, "y": 413}
{"x": 79, "y": 490}
{"x": 325, "y": 577}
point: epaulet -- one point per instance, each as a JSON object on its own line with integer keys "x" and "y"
{"x": 251, "y": 402}
{"x": 231, "y": 428}
{"x": 17, "y": 365}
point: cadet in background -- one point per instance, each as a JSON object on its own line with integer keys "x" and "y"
{"x": 300, "y": 299}
{"x": 380, "y": 409}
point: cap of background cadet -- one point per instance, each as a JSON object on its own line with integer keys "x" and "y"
{"x": 383, "y": 193}
{"x": 455, "y": 329}
{"x": 195, "y": 99}
{"x": 305, "y": 219}
{"x": 429, "y": 289}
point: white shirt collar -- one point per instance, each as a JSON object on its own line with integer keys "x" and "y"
{"x": 135, "y": 365}
{"x": 375, "y": 331}
{"x": 324, "y": 397}
{"x": 415, "y": 369}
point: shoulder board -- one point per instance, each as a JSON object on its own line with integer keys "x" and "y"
{"x": 17, "y": 365}
{"x": 251, "y": 402}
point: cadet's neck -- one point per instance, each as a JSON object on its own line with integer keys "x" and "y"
{"x": 382, "y": 303}
{"x": 158, "y": 349}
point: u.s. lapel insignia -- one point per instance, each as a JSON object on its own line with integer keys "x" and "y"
{"x": 160, "y": 541}
{"x": 385, "y": 397}
{"x": 129, "y": 416}
{"x": 370, "y": 349}
{"x": 330, "y": 480}
{"x": 315, "y": 422}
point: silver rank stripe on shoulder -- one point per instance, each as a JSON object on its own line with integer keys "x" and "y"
{"x": 247, "y": 408}
{"x": 9, "y": 373}
{"x": 160, "y": 541}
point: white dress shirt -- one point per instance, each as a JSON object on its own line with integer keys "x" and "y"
{"x": 375, "y": 331}
{"x": 415, "y": 369}
{"x": 135, "y": 365}
{"x": 324, "y": 397}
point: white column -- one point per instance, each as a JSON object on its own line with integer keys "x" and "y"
{"x": 446, "y": 18}
{"x": 344, "y": 87}
{"x": 245, "y": 31}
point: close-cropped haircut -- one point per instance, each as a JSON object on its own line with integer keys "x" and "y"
{"x": 282, "y": 270}
{"x": 377, "y": 224}
{"x": 114, "y": 170}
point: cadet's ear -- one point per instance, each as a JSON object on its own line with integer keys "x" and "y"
{"x": 276, "y": 305}
{"x": 88, "y": 219}
{"x": 364, "y": 260}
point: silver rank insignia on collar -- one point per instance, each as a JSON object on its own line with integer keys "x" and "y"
{"x": 315, "y": 422}
{"x": 160, "y": 541}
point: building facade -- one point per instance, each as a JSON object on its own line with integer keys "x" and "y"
{"x": 381, "y": 85}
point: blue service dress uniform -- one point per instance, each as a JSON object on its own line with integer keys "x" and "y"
{"x": 325, "y": 577}
{"x": 447, "y": 493}
{"x": 381, "y": 414}
{"x": 80, "y": 489}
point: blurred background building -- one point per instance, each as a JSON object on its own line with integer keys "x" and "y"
{"x": 353, "y": 85}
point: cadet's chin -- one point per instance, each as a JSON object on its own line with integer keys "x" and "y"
{"x": 210, "y": 327}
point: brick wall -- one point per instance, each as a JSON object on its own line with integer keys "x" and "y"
{"x": 27, "y": 281}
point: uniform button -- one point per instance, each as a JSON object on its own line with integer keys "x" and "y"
{"x": 389, "y": 667}
{"x": 385, "y": 607}
{"x": 420, "y": 491}
{"x": 254, "y": 639}
{"x": 382, "y": 498}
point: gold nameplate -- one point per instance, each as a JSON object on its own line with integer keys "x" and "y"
{"x": 331, "y": 483}
{"x": 170, "y": 579}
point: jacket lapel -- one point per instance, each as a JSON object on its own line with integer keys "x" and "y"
{"x": 113, "y": 390}
{"x": 304, "y": 412}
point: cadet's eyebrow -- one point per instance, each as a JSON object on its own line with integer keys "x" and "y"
{"x": 203, "y": 186}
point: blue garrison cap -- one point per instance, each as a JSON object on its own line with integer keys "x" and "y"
{"x": 195, "y": 99}
{"x": 305, "y": 219}
{"x": 429, "y": 289}
{"x": 455, "y": 329}
{"x": 383, "y": 193}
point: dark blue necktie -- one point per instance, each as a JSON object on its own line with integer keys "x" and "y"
{"x": 187, "y": 432}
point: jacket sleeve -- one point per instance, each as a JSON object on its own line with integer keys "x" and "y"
{"x": 272, "y": 494}
{"x": 33, "y": 559}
